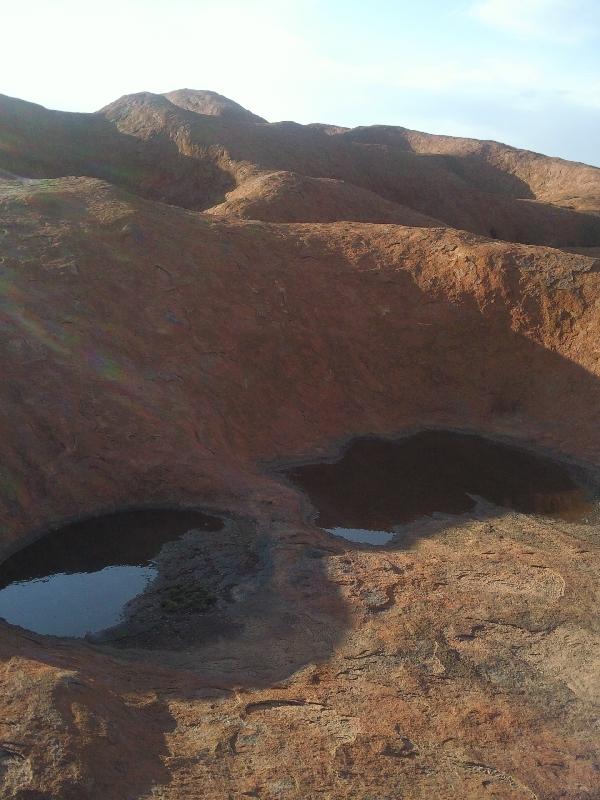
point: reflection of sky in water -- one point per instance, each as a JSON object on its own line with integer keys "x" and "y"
{"x": 362, "y": 535}
{"x": 73, "y": 605}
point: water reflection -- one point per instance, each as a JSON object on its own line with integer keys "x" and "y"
{"x": 362, "y": 535}
{"x": 78, "y": 579}
{"x": 76, "y": 604}
{"x": 379, "y": 484}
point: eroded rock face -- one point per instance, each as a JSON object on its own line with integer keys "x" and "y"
{"x": 153, "y": 355}
{"x": 199, "y": 150}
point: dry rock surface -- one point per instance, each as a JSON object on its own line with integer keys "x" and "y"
{"x": 192, "y": 298}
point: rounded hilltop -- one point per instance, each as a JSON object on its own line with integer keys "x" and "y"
{"x": 211, "y": 104}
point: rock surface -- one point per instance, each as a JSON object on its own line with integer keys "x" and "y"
{"x": 156, "y": 355}
{"x": 199, "y": 150}
{"x": 211, "y": 104}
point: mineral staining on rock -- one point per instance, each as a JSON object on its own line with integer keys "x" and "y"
{"x": 215, "y": 295}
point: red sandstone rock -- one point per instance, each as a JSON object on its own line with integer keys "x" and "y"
{"x": 152, "y": 354}
{"x": 192, "y": 149}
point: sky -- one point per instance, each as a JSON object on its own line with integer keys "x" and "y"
{"x": 524, "y": 72}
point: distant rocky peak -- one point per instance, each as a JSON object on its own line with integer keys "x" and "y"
{"x": 203, "y": 101}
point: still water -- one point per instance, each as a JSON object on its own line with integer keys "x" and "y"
{"x": 378, "y": 484}
{"x": 78, "y": 579}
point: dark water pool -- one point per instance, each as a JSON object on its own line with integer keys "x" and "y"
{"x": 78, "y": 579}
{"x": 379, "y": 484}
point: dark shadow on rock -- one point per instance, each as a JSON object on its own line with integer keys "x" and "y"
{"x": 267, "y": 607}
{"x": 229, "y": 603}
{"x": 94, "y": 744}
{"x": 39, "y": 143}
{"x": 489, "y": 178}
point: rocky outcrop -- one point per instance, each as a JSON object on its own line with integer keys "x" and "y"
{"x": 155, "y": 355}
{"x": 289, "y": 197}
{"x": 199, "y": 150}
{"x": 152, "y": 355}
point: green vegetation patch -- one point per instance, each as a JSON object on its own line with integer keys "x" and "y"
{"x": 186, "y": 597}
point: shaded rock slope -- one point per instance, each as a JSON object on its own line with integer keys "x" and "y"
{"x": 199, "y": 150}
{"x": 155, "y": 355}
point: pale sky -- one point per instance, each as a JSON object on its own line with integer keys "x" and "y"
{"x": 525, "y": 72}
